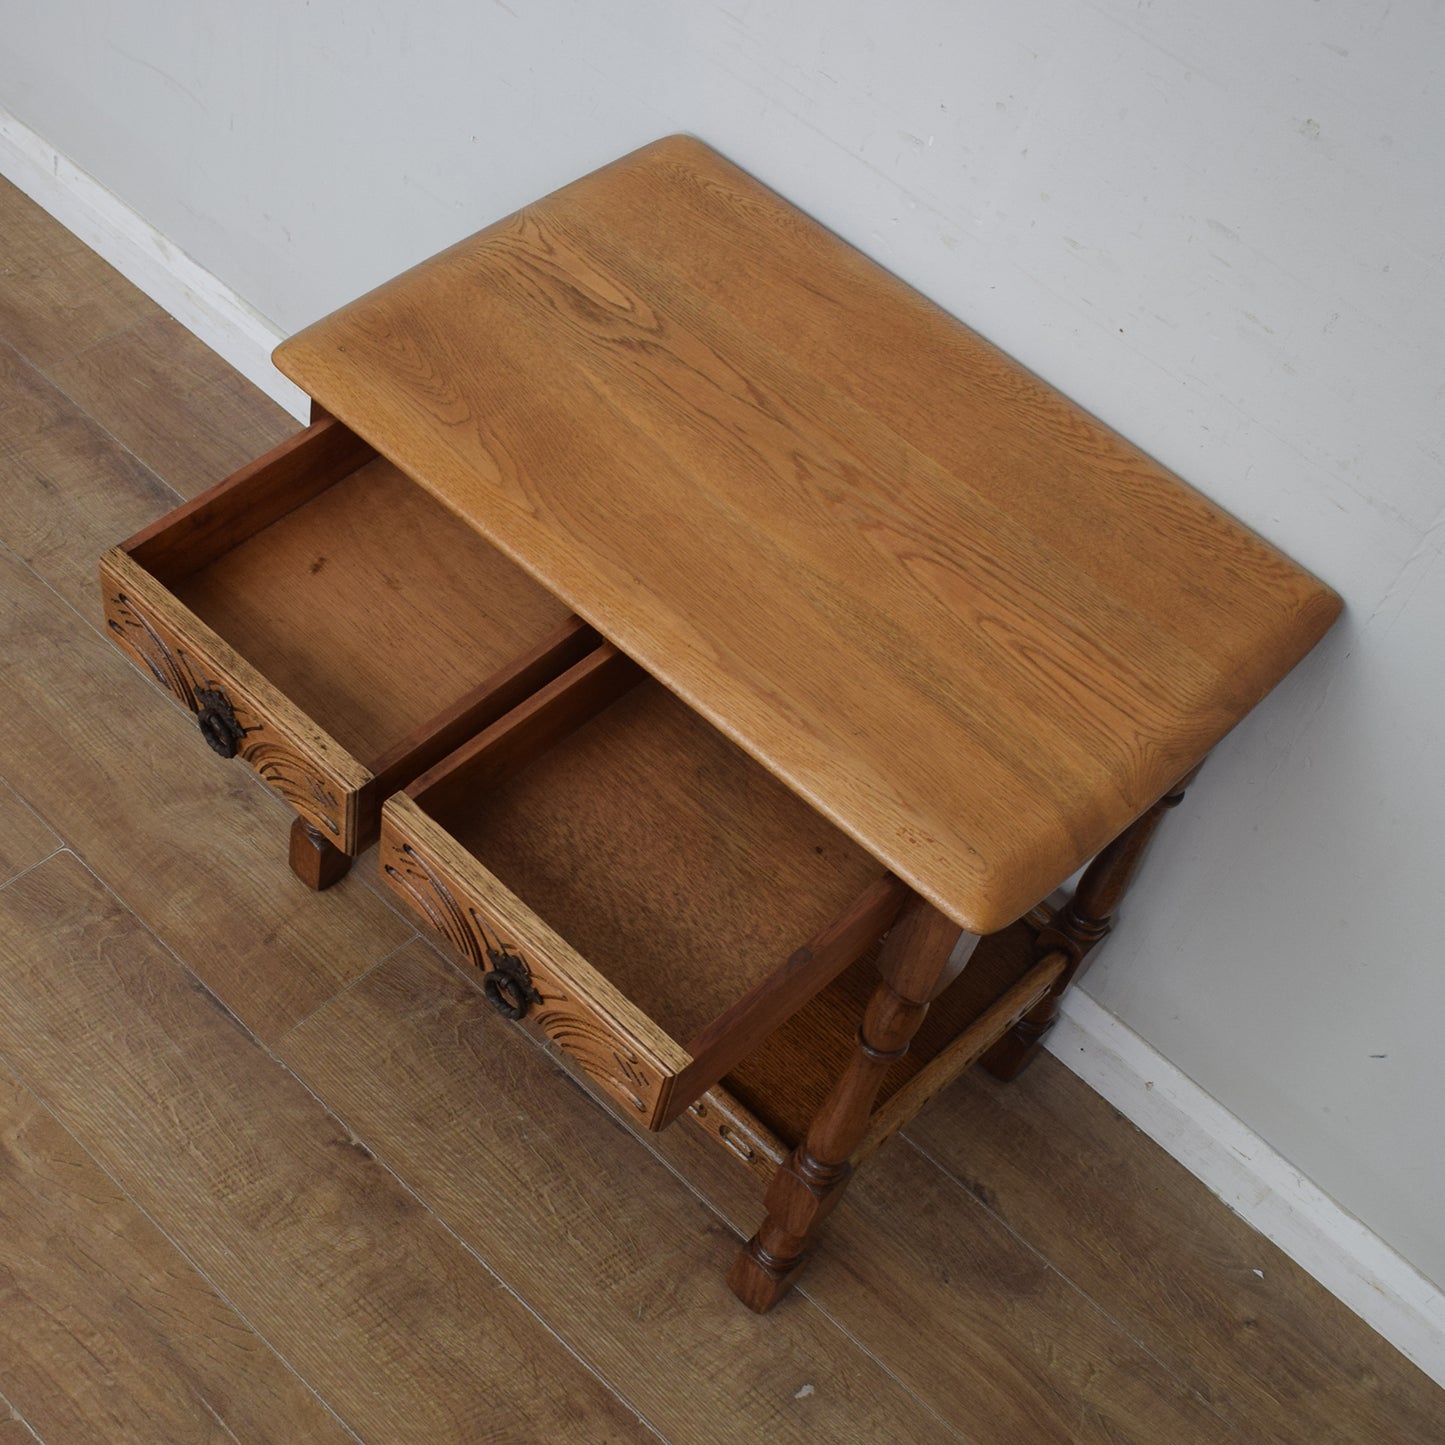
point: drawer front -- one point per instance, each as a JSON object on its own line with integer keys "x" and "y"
{"x": 240, "y": 714}
{"x": 578, "y": 1009}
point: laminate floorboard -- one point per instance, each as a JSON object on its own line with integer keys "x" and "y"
{"x": 404, "y": 1332}
{"x": 13, "y": 1428}
{"x": 70, "y": 490}
{"x": 107, "y": 1332}
{"x": 57, "y": 297}
{"x": 172, "y": 402}
{"x": 982, "y": 1328}
{"x": 24, "y": 838}
{"x": 193, "y": 844}
{"x": 421, "y": 1223}
{"x": 1187, "y": 1277}
{"x": 579, "y": 1218}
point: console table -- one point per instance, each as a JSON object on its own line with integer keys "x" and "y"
{"x": 730, "y": 650}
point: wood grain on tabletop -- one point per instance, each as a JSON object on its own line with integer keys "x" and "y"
{"x": 108, "y": 1333}
{"x": 580, "y": 1219}
{"x": 192, "y": 843}
{"x": 830, "y": 517}
{"x": 24, "y": 837}
{"x": 1194, "y": 1283}
{"x": 402, "y": 1330}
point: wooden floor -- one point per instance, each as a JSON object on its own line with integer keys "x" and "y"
{"x": 270, "y": 1171}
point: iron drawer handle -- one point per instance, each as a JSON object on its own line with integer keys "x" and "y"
{"x": 217, "y": 721}
{"x": 508, "y": 985}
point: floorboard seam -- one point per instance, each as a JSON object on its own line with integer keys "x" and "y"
{"x": 13, "y": 345}
{"x": 381, "y": 1163}
{"x": 91, "y": 341}
{"x": 604, "y": 1107}
{"x": 16, "y": 1415}
{"x": 1078, "y": 1289}
{"x": 81, "y": 410}
{"x": 91, "y": 345}
{"x": 341, "y": 992}
{"x": 29, "y": 808}
{"x": 165, "y": 1234}
{"x": 31, "y": 867}
{"x": 801, "y": 1289}
{"x": 60, "y": 597}
{"x": 465, "y": 1244}
{"x": 164, "y": 943}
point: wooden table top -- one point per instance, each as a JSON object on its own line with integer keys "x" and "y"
{"x": 967, "y": 621}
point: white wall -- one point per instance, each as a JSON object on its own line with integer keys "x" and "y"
{"x": 1220, "y": 227}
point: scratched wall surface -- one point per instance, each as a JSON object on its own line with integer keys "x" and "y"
{"x": 1220, "y": 227}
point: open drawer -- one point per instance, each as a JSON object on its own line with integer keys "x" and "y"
{"x": 649, "y": 896}
{"x": 332, "y": 625}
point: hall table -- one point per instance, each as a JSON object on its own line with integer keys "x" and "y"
{"x": 731, "y": 650}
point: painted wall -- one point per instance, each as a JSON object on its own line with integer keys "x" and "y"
{"x": 1220, "y": 227}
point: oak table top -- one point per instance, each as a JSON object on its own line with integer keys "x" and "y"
{"x": 968, "y": 622}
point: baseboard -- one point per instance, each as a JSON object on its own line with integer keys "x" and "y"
{"x": 1255, "y": 1181}
{"x": 1259, "y": 1184}
{"x": 197, "y": 299}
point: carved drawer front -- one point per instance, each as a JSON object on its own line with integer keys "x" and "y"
{"x": 630, "y": 882}
{"x": 529, "y": 970}
{"x": 237, "y": 712}
{"x": 332, "y": 626}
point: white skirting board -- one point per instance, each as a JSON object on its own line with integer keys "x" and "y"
{"x": 1211, "y": 1143}
{"x": 201, "y": 302}
{"x": 1260, "y": 1185}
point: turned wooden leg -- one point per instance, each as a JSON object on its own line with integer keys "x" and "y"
{"x": 917, "y": 962}
{"x": 316, "y": 861}
{"x": 1077, "y": 929}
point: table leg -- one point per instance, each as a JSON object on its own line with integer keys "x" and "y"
{"x": 920, "y": 957}
{"x": 314, "y": 859}
{"x": 1077, "y": 929}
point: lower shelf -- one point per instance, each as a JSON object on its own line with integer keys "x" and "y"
{"x": 761, "y": 1110}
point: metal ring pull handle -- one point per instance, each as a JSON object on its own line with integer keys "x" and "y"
{"x": 508, "y": 985}
{"x": 217, "y": 721}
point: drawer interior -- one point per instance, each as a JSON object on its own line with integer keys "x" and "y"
{"x": 679, "y": 867}
{"x": 358, "y": 595}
